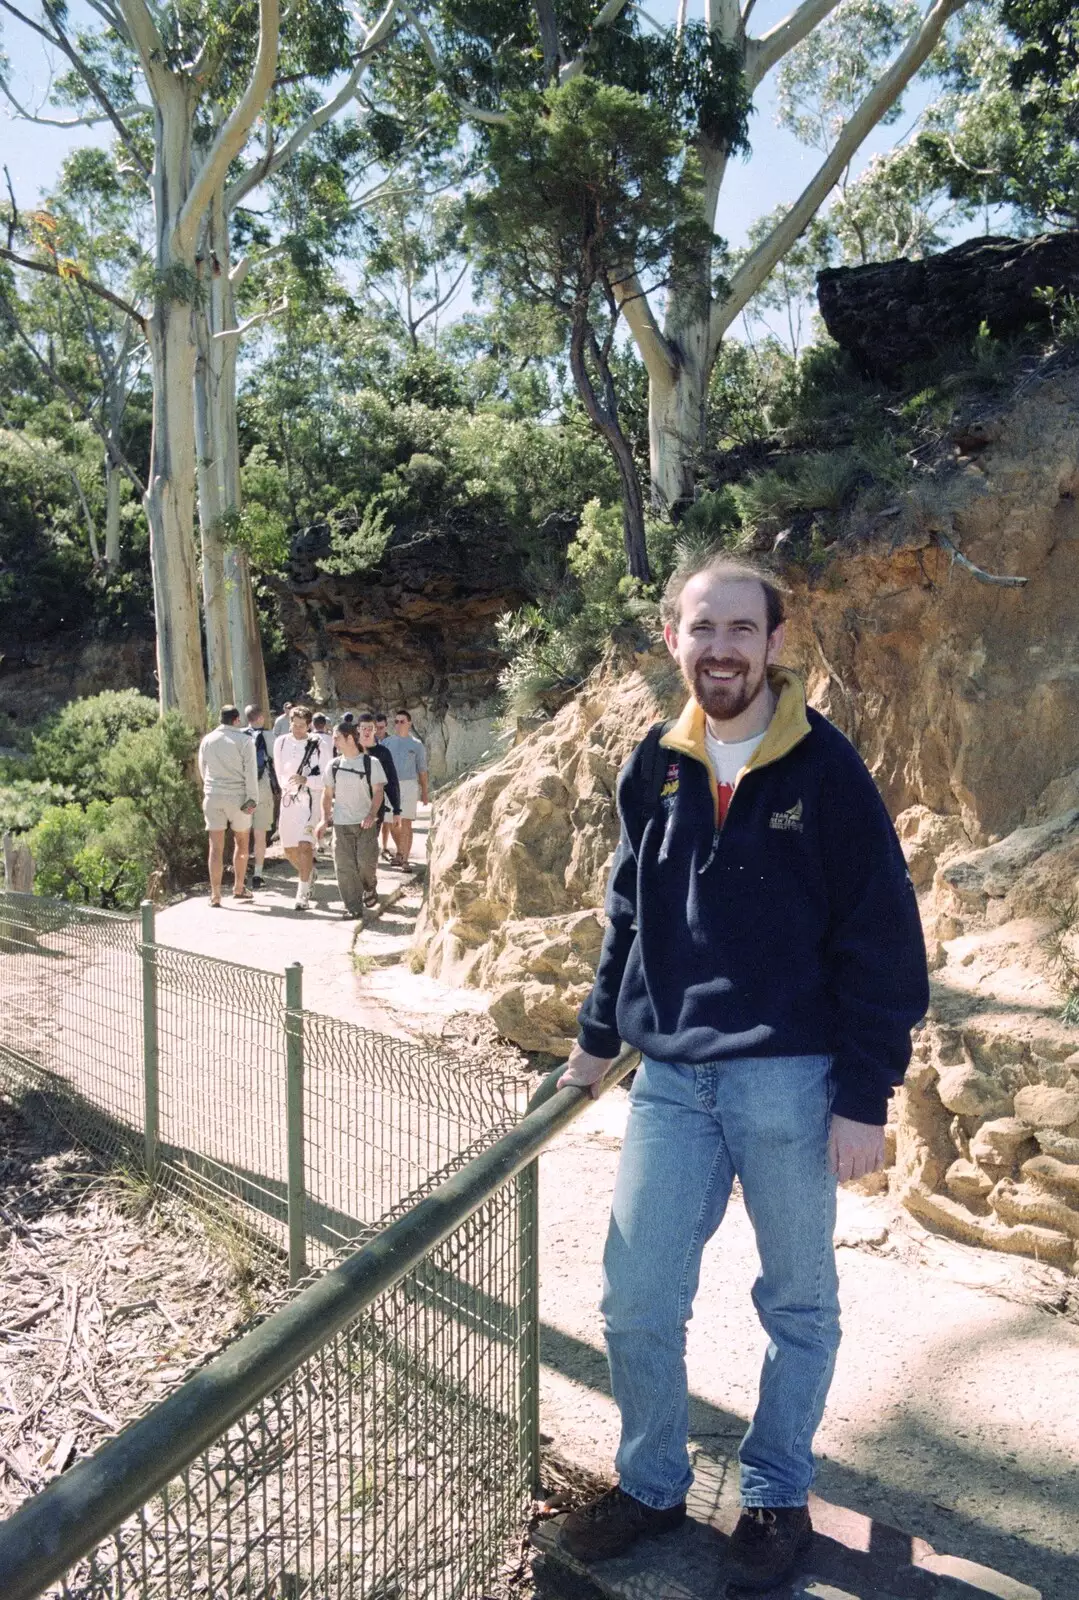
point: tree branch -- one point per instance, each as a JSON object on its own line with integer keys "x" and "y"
{"x": 763, "y": 53}
{"x": 230, "y": 141}
{"x": 90, "y": 121}
{"x": 771, "y": 250}
{"x": 115, "y": 454}
{"x": 59, "y": 40}
{"x": 252, "y": 322}
{"x": 75, "y": 272}
{"x": 609, "y": 13}
{"x": 495, "y": 119}
{"x": 375, "y": 37}
{"x": 657, "y": 354}
{"x": 978, "y": 572}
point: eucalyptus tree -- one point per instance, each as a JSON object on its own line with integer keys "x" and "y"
{"x": 703, "y": 74}
{"x": 591, "y": 192}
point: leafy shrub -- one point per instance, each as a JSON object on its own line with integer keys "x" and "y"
{"x": 72, "y": 748}
{"x": 99, "y": 854}
{"x": 712, "y": 520}
{"x": 152, "y": 769}
{"x": 554, "y": 643}
{"x": 23, "y": 802}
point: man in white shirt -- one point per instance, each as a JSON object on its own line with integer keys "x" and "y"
{"x": 298, "y": 762}
{"x": 352, "y": 799}
{"x": 228, "y": 768}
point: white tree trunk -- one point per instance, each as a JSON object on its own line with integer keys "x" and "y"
{"x": 113, "y": 480}
{"x": 214, "y": 602}
{"x": 170, "y": 491}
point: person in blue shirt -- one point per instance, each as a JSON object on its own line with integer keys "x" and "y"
{"x": 410, "y": 763}
{"x": 764, "y": 953}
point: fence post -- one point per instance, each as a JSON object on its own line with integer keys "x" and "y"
{"x": 529, "y": 1378}
{"x": 151, "y": 1102}
{"x": 297, "y": 1231}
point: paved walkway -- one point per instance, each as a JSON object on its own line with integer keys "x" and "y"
{"x": 954, "y": 1416}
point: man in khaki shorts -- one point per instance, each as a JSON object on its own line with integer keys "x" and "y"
{"x": 229, "y": 771}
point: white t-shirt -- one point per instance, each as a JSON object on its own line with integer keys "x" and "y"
{"x": 727, "y": 760}
{"x": 351, "y": 796}
{"x": 288, "y": 754}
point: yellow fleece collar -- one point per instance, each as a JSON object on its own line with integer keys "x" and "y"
{"x": 788, "y": 727}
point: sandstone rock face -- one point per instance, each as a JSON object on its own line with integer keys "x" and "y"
{"x": 37, "y": 680}
{"x": 963, "y": 698}
{"x": 418, "y": 631}
{"x": 897, "y": 312}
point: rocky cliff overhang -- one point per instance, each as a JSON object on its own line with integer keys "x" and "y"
{"x": 417, "y": 630}
{"x": 891, "y": 315}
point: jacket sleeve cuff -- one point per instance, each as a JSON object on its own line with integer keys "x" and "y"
{"x": 859, "y": 1101}
{"x": 597, "y": 1041}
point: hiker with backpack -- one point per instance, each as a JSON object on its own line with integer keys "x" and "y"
{"x": 764, "y": 953}
{"x": 263, "y": 815}
{"x": 352, "y": 799}
{"x": 298, "y": 762}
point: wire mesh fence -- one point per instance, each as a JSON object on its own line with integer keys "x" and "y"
{"x": 388, "y": 1466}
{"x": 182, "y": 1062}
{"x": 394, "y": 1463}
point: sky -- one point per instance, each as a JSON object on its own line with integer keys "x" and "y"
{"x": 775, "y": 172}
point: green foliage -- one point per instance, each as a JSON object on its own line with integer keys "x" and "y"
{"x": 359, "y": 548}
{"x": 820, "y": 481}
{"x": 591, "y": 182}
{"x": 74, "y": 745}
{"x": 153, "y": 768}
{"x": 822, "y": 82}
{"x": 24, "y": 801}
{"x": 713, "y": 519}
{"x": 554, "y": 643}
{"x": 97, "y": 855}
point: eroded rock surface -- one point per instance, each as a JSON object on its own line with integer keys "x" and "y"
{"x": 963, "y": 698}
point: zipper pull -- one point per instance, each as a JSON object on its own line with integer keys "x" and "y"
{"x": 711, "y": 854}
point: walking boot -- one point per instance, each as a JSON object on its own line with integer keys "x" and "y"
{"x": 608, "y": 1526}
{"x": 767, "y": 1545}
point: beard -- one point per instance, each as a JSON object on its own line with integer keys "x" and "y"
{"x": 723, "y": 702}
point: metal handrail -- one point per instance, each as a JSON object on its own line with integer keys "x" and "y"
{"x": 68, "y": 1518}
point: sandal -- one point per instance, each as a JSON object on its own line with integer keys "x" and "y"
{"x": 242, "y": 894}
{"x": 216, "y": 904}
{"x": 370, "y": 898}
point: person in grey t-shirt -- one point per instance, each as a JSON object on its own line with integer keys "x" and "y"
{"x": 410, "y": 760}
{"x": 228, "y": 768}
{"x": 352, "y": 799}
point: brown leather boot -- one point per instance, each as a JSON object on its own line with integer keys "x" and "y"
{"x": 767, "y": 1545}
{"x": 608, "y": 1526}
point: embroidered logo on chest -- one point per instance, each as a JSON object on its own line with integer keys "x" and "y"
{"x": 670, "y": 782}
{"x": 787, "y": 821}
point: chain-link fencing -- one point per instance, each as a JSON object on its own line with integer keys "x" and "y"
{"x": 304, "y": 1131}
{"x": 392, "y": 1463}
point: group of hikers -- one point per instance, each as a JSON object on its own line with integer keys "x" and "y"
{"x": 356, "y": 779}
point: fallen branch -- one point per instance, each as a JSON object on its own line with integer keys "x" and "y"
{"x": 977, "y": 572}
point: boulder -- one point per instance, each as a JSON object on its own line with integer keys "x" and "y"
{"x": 968, "y": 1183}
{"x": 538, "y": 972}
{"x": 926, "y": 837}
{"x": 969, "y": 1093}
{"x": 890, "y": 314}
{"x": 1041, "y": 1106}
{"x": 1000, "y": 1145}
{"x": 1051, "y": 1142}
{"x": 1019, "y": 1204}
{"x": 1059, "y": 1176}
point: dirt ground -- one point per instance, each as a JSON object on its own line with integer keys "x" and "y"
{"x": 106, "y": 1300}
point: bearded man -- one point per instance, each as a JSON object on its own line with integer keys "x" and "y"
{"x": 764, "y": 953}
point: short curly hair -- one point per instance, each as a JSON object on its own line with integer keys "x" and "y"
{"x": 718, "y": 563}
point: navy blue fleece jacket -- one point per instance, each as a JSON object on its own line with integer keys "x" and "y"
{"x": 791, "y": 930}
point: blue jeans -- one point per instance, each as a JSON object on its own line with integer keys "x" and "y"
{"x": 691, "y": 1131}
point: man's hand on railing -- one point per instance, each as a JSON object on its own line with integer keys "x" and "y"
{"x": 584, "y": 1070}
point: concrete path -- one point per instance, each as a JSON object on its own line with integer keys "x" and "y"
{"x": 954, "y": 1415}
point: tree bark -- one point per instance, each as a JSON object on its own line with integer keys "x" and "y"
{"x": 113, "y": 480}
{"x": 211, "y": 526}
{"x": 603, "y": 415}
{"x": 236, "y": 625}
{"x": 170, "y": 490}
